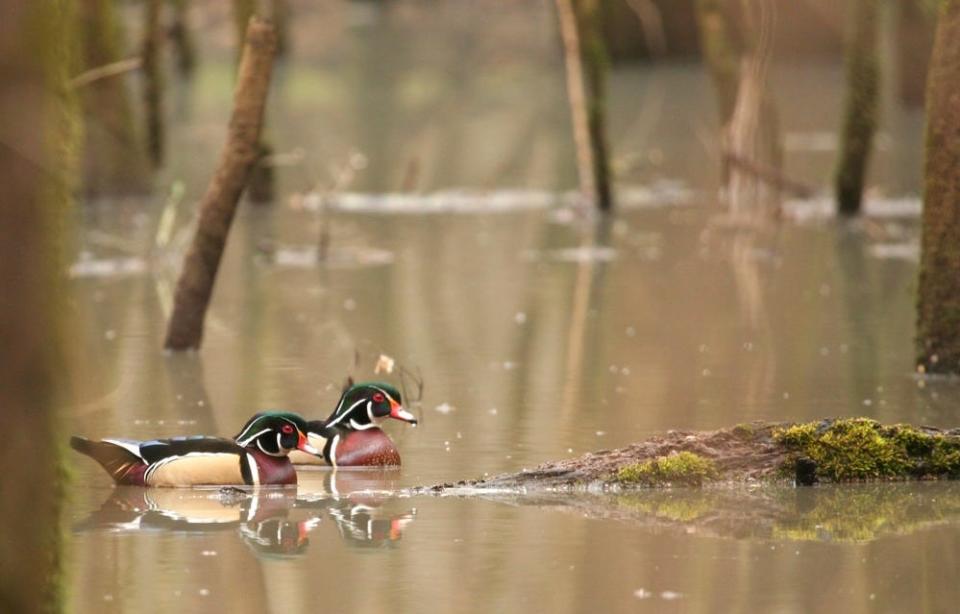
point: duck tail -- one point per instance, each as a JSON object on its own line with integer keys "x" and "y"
{"x": 116, "y": 460}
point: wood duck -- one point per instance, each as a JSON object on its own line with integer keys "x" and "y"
{"x": 351, "y": 436}
{"x": 256, "y": 456}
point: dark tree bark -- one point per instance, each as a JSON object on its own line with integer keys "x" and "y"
{"x": 37, "y": 148}
{"x": 114, "y": 161}
{"x": 938, "y": 304}
{"x": 182, "y": 38}
{"x": 153, "y": 81}
{"x": 586, "y": 63}
{"x": 862, "y": 104}
{"x": 219, "y": 204}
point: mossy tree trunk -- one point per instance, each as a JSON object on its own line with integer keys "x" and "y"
{"x": 219, "y": 204}
{"x": 153, "y": 80}
{"x": 182, "y": 38}
{"x": 114, "y": 161}
{"x": 915, "y": 24}
{"x": 862, "y": 104}
{"x": 38, "y": 130}
{"x": 938, "y": 304}
{"x": 585, "y": 58}
{"x": 260, "y": 188}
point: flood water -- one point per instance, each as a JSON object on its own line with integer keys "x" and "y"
{"x": 539, "y": 335}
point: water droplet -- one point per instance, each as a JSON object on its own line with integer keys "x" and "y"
{"x": 641, "y": 593}
{"x": 824, "y": 351}
{"x": 706, "y": 373}
{"x": 670, "y": 595}
{"x": 492, "y": 411}
{"x": 601, "y": 433}
{"x": 349, "y": 304}
{"x": 444, "y": 408}
{"x": 110, "y": 335}
{"x": 204, "y": 592}
{"x": 867, "y": 402}
{"x": 520, "y": 317}
{"x": 631, "y": 331}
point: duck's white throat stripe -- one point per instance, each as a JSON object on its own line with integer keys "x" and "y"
{"x": 254, "y": 470}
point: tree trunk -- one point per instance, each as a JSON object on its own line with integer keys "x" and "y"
{"x": 260, "y": 187}
{"x": 114, "y": 161}
{"x": 182, "y": 38}
{"x": 722, "y": 45}
{"x": 860, "y": 116}
{"x": 585, "y": 59}
{"x": 153, "y": 81}
{"x": 217, "y": 208}
{"x": 280, "y": 14}
{"x": 37, "y": 150}
{"x": 938, "y": 304}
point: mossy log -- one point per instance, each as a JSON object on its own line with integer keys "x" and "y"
{"x": 219, "y": 204}
{"x": 862, "y": 105}
{"x": 938, "y": 291}
{"x": 830, "y": 450}
{"x": 38, "y": 131}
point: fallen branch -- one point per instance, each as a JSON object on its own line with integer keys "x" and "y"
{"x": 219, "y": 204}
{"x": 104, "y": 72}
{"x": 769, "y": 175}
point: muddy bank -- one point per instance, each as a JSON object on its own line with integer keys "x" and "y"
{"x": 829, "y": 450}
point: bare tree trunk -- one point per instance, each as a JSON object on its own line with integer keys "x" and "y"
{"x": 586, "y": 66}
{"x": 722, "y": 45}
{"x": 219, "y": 204}
{"x": 737, "y": 38}
{"x": 37, "y": 148}
{"x": 153, "y": 80}
{"x": 260, "y": 185}
{"x": 182, "y": 38}
{"x": 860, "y": 116}
{"x": 113, "y": 161}
{"x": 938, "y": 293}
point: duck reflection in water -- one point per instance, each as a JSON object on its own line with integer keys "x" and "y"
{"x": 271, "y": 522}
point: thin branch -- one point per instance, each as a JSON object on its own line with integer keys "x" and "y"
{"x": 106, "y": 71}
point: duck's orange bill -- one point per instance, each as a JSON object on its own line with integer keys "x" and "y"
{"x": 304, "y": 444}
{"x": 398, "y": 412}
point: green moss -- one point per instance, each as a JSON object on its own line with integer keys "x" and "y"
{"x": 744, "y": 431}
{"x": 680, "y": 468}
{"x": 861, "y": 448}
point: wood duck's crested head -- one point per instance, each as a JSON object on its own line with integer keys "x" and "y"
{"x": 365, "y": 405}
{"x": 275, "y": 433}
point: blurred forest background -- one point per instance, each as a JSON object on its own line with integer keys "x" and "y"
{"x": 745, "y": 120}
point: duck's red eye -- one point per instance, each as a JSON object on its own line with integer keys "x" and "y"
{"x": 286, "y": 428}
{"x": 378, "y": 397}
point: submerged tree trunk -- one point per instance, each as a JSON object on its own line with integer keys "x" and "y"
{"x": 114, "y": 161}
{"x": 182, "y": 38}
{"x": 860, "y": 115}
{"x": 938, "y": 304}
{"x": 260, "y": 187}
{"x": 217, "y": 208}
{"x": 586, "y": 65}
{"x": 38, "y": 130}
{"x": 153, "y": 81}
